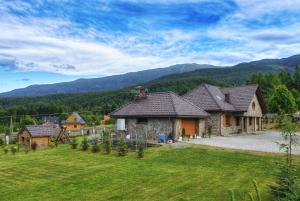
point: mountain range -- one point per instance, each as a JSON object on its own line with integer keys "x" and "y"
{"x": 236, "y": 74}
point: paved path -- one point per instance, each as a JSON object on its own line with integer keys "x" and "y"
{"x": 264, "y": 141}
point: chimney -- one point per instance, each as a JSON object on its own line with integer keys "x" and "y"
{"x": 227, "y": 98}
{"x": 142, "y": 92}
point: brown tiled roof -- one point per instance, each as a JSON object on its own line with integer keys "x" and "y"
{"x": 40, "y": 130}
{"x": 162, "y": 104}
{"x": 212, "y": 98}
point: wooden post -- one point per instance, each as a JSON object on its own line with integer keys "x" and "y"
{"x": 242, "y": 124}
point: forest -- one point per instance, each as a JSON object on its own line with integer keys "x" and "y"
{"x": 92, "y": 106}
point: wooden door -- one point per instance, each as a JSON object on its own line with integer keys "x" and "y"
{"x": 189, "y": 125}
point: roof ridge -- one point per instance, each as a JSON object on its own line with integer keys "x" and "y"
{"x": 186, "y": 100}
{"x": 173, "y": 104}
{"x": 248, "y": 85}
{"x": 205, "y": 85}
{"x": 189, "y": 102}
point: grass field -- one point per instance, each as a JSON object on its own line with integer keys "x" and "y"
{"x": 195, "y": 173}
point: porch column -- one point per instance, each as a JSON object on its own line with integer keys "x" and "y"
{"x": 254, "y": 123}
{"x": 242, "y": 124}
{"x": 260, "y": 123}
{"x": 247, "y": 124}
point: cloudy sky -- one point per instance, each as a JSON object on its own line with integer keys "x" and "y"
{"x": 47, "y": 41}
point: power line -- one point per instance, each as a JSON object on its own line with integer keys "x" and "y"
{"x": 47, "y": 114}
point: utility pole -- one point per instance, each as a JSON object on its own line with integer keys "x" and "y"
{"x": 11, "y": 127}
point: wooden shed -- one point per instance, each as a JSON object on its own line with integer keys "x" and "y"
{"x": 39, "y": 134}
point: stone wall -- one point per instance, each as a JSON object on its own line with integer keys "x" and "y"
{"x": 214, "y": 121}
{"x": 151, "y": 129}
{"x": 233, "y": 129}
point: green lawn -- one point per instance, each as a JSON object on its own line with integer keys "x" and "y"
{"x": 197, "y": 173}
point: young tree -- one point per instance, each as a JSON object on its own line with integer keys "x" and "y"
{"x": 84, "y": 144}
{"x": 122, "y": 148}
{"x": 27, "y": 121}
{"x": 285, "y": 187}
{"x": 282, "y": 101}
{"x": 141, "y": 147}
{"x": 107, "y": 142}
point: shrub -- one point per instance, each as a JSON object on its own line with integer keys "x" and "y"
{"x": 107, "y": 142}
{"x": 84, "y": 144}
{"x": 141, "y": 148}
{"x": 5, "y": 150}
{"x": 1, "y": 142}
{"x": 13, "y": 150}
{"x": 209, "y": 130}
{"x": 74, "y": 143}
{"x": 95, "y": 147}
{"x": 93, "y": 139}
{"x": 122, "y": 148}
{"x": 34, "y": 146}
{"x": 26, "y": 150}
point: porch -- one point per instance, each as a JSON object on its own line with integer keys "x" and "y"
{"x": 235, "y": 123}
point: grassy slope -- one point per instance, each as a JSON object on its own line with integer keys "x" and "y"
{"x": 197, "y": 173}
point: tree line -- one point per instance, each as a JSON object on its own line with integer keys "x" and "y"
{"x": 92, "y": 106}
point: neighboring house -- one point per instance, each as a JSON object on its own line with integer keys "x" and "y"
{"x": 74, "y": 122}
{"x": 105, "y": 119}
{"x": 161, "y": 113}
{"x": 50, "y": 120}
{"x": 232, "y": 109}
{"x": 39, "y": 134}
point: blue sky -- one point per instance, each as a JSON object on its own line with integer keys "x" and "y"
{"x": 47, "y": 41}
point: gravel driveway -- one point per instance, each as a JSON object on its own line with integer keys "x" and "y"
{"x": 263, "y": 141}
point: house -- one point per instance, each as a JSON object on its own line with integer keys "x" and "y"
{"x": 39, "y": 134}
{"x": 105, "y": 119}
{"x": 232, "y": 109}
{"x": 74, "y": 122}
{"x": 161, "y": 113}
{"x": 50, "y": 120}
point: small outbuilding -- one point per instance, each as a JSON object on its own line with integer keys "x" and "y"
{"x": 74, "y": 122}
{"x": 39, "y": 134}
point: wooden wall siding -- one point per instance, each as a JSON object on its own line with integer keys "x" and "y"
{"x": 189, "y": 125}
{"x": 74, "y": 127}
{"x": 42, "y": 142}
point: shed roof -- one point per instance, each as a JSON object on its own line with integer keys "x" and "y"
{"x": 40, "y": 130}
{"x": 161, "y": 104}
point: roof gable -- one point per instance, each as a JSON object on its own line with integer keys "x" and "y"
{"x": 74, "y": 118}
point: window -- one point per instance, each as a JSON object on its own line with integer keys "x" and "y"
{"x": 227, "y": 120}
{"x": 75, "y": 126}
{"x": 142, "y": 120}
{"x": 237, "y": 121}
{"x": 253, "y": 106}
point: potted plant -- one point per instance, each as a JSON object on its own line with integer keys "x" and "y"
{"x": 183, "y": 133}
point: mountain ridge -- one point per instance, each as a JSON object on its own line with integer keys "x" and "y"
{"x": 240, "y": 71}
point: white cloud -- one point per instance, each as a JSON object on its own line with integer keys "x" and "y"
{"x": 58, "y": 45}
